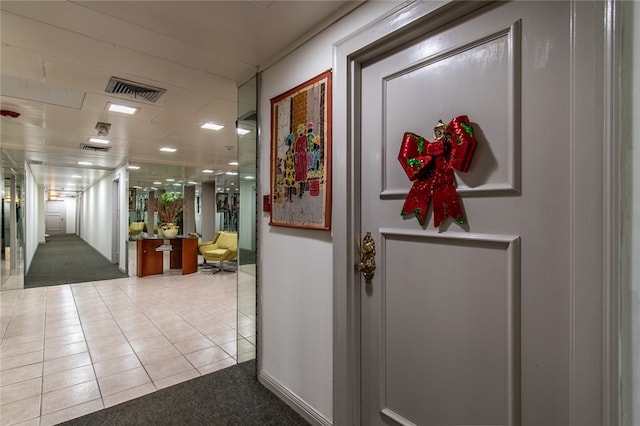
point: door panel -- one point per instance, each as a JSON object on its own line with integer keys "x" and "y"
{"x": 55, "y": 221}
{"x": 468, "y": 324}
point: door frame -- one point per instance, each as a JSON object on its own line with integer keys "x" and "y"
{"x": 594, "y": 170}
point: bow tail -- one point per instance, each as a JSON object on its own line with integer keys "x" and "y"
{"x": 446, "y": 203}
{"x": 417, "y": 200}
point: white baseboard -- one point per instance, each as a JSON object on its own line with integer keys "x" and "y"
{"x": 301, "y": 407}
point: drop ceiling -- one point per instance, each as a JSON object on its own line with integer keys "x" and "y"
{"x": 57, "y": 58}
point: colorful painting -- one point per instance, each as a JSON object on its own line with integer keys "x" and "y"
{"x": 301, "y": 155}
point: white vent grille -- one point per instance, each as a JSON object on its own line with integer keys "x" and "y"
{"x": 133, "y": 90}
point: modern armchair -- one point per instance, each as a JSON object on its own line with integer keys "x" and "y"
{"x": 223, "y": 247}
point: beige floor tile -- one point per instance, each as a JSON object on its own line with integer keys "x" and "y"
{"x": 120, "y": 382}
{"x": 105, "y": 342}
{"x": 20, "y": 374}
{"x": 66, "y": 363}
{"x": 175, "y": 379}
{"x": 116, "y": 365}
{"x": 73, "y": 412}
{"x": 69, "y": 396}
{"x": 180, "y": 334}
{"x": 21, "y": 360}
{"x": 169, "y": 367}
{"x": 206, "y": 356}
{"x": 99, "y": 324}
{"x": 96, "y": 333}
{"x": 224, "y": 337}
{"x": 20, "y": 411}
{"x": 114, "y": 351}
{"x": 216, "y": 366}
{"x": 157, "y": 354}
{"x": 150, "y": 343}
{"x": 247, "y": 356}
{"x": 31, "y": 422}
{"x": 127, "y": 395}
{"x": 20, "y": 390}
{"x": 63, "y": 340}
{"x": 7, "y": 351}
{"x": 61, "y": 323}
{"x": 96, "y": 316}
{"x": 193, "y": 345}
{"x": 230, "y": 347}
{"x": 63, "y": 331}
{"x": 23, "y": 338}
{"x": 66, "y": 378}
{"x": 142, "y": 333}
{"x": 65, "y": 350}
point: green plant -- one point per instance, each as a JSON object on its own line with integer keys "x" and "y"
{"x": 168, "y": 206}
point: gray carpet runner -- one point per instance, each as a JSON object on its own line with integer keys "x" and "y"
{"x": 66, "y": 259}
{"x": 229, "y": 397}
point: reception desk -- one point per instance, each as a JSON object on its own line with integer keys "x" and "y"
{"x": 183, "y": 254}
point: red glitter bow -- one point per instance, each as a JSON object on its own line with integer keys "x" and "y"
{"x": 430, "y": 166}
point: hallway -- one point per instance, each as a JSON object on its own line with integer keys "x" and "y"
{"x": 74, "y": 349}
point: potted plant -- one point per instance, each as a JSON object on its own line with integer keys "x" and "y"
{"x": 169, "y": 207}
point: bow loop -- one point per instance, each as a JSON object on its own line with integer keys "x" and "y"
{"x": 430, "y": 166}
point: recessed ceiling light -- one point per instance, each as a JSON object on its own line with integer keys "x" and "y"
{"x": 123, "y": 109}
{"x": 192, "y": 183}
{"x": 249, "y": 177}
{"x": 233, "y": 163}
{"x": 177, "y": 184}
{"x": 231, "y": 173}
{"x": 99, "y": 140}
{"x": 170, "y": 180}
{"x": 134, "y": 167}
{"x": 136, "y": 187}
{"x": 211, "y": 125}
{"x": 242, "y": 131}
{"x": 167, "y": 149}
{"x": 84, "y": 163}
{"x": 207, "y": 171}
{"x": 157, "y": 183}
{"x": 154, "y": 189}
{"x": 76, "y": 176}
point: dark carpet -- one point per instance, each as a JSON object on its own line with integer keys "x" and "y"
{"x": 231, "y": 396}
{"x": 66, "y": 259}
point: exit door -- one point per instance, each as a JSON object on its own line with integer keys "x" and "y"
{"x": 55, "y": 223}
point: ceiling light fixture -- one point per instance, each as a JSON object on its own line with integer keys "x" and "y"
{"x": 157, "y": 183}
{"x": 207, "y": 171}
{"x": 134, "y": 167}
{"x": 233, "y": 163}
{"x": 170, "y": 180}
{"x": 231, "y": 173}
{"x": 123, "y": 109}
{"x": 99, "y": 140}
{"x": 211, "y": 125}
{"x": 76, "y": 176}
{"x": 84, "y": 163}
{"x": 242, "y": 131}
{"x": 192, "y": 183}
{"x": 167, "y": 149}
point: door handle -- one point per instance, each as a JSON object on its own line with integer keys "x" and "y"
{"x": 367, "y": 265}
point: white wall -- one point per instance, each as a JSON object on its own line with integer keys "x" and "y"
{"x": 296, "y": 265}
{"x": 70, "y": 214}
{"x": 33, "y": 217}
{"x": 96, "y": 212}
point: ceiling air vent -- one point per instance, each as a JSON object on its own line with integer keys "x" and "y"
{"x": 133, "y": 90}
{"x": 95, "y": 148}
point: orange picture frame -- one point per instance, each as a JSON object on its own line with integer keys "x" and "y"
{"x": 301, "y": 155}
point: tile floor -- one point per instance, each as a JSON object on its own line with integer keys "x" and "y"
{"x": 73, "y": 349}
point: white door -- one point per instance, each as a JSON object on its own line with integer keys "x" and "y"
{"x": 55, "y": 223}
{"x": 470, "y": 324}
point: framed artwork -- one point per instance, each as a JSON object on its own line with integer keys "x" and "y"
{"x": 301, "y": 155}
{"x": 222, "y": 202}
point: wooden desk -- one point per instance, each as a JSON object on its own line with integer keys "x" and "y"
{"x": 183, "y": 255}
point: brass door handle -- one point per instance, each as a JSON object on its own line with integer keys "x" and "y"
{"x": 367, "y": 265}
